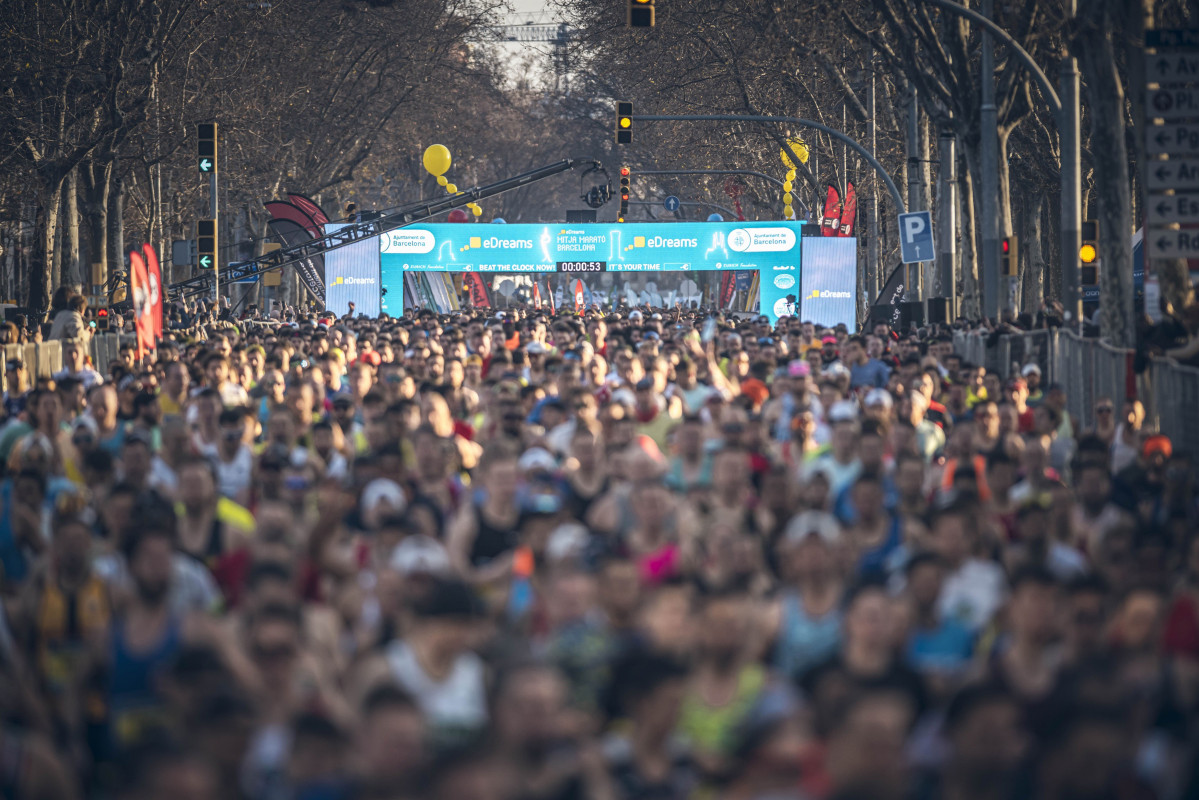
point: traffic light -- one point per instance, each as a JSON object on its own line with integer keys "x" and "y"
{"x": 1009, "y": 256}
{"x": 1088, "y": 253}
{"x": 625, "y": 177}
{"x": 206, "y": 147}
{"x": 101, "y": 319}
{"x": 641, "y": 14}
{"x": 206, "y": 243}
{"x": 624, "y": 122}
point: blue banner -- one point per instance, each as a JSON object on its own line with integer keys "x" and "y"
{"x": 591, "y": 251}
{"x": 830, "y": 280}
{"x": 352, "y": 276}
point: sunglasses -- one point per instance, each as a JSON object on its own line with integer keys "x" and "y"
{"x": 1104, "y": 409}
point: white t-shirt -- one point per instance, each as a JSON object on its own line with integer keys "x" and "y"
{"x": 973, "y": 593}
{"x": 455, "y": 707}
{"x": 233, "y": 477}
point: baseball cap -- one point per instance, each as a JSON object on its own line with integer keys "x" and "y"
{"x": 828, "y": 340}
{"x": 799, "y": 368}
{"x": 422, "y": 555}
{"x": 843, "y": 411}
{"x": 878, "y": 397}
{"x": 536, "y": 348}
{"x": 537, "y": 459}
{"x": 1157, "y": 444}
{"x": 1031, "y": 369}
{"x": 809, "y": 523}
{"x": 635, "y": 314}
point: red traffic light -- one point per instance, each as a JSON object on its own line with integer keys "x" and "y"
{"x": 102, "y": 312}
{"x": 624, "y": 195}
{"x": 1007, "y": 246}
{"x": 624, "y": 172}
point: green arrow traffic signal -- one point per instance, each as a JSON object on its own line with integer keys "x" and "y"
{"x": 206, "y": 146}
{"x": 206, "y": 243}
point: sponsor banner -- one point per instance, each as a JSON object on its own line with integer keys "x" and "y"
{"x": 828, "y": 285}
{"x": 353, "y": 275}
{"x": 596, "y": 249}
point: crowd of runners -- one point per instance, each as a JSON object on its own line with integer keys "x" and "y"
{"x": 627, "y": 555}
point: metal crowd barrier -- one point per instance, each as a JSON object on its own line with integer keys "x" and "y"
{"x": 971, "y": 346}
{"x": 1172, "y": 402}
{"x": 1090, "y": 369}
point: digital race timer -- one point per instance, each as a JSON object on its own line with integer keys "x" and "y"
{"x": 582, "y": 266}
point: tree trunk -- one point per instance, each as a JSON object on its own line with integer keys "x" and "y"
{"x": 1105, "y": 96}
{"x": 115, "y": 220}
{"x": 72, "y": 270}
{"x": 1033, "y": 275}
{"x": 96, "y": 181}
{"x": 968, "y": 288}
{"x": 41, "y": 284}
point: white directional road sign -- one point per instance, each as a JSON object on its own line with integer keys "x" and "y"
{"x": 916, "y": 237}
{"x": 1177, "y": 173}
{"x": 1172, "y": 139}
{"x": 1177, "y": 103}
{"x": 1171, "y": 68}
{"x": 1172, "y": 244}
{"x": 1163, "y": 209}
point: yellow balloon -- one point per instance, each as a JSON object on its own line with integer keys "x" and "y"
{"x": 478, "y": 212}
{"x": 451, "y": 188}
{"x": 801, "y": 150}
{"x": 437, "y": 159}
{"x": 787, "y": 209}
{"x": 442, "y": 180}
{"x": 787, "y": 186}
{"x": 787, "y": 199}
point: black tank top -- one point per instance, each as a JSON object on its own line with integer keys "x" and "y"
{"x": 491, "y": 540}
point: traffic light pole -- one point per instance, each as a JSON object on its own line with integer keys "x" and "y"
{"x": 1071, "y": 148}
{"x": 807, "y": 123}
{"x": 214, "y": 211}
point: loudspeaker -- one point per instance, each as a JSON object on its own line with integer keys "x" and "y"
{"x": 938, "y": 310}
{"x": 911, "y": 313}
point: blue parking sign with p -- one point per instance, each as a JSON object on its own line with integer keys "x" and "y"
{"x": 916, "y": 237}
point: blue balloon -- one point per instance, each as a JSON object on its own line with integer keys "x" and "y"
{"x": 499, "y": 221}
{"x": 715, "y": 218}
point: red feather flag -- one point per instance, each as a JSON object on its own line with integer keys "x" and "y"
{"x": 139, "y": 296}
{"x": 478, "y": 290}
{"x": 830, "y": 220}
{"x": 536, "y": 296}
{"x": 154, "y": 276}
{"x": 849, "y": 211}
{"x": 578, "y": 296}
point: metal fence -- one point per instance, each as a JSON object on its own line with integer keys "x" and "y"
{"x": 1091, "y": 369}
{"x": 1172, "y": 401}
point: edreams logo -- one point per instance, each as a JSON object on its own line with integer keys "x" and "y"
{"x": 819, "y": 294}
{"x": 343, "y": 281}
{"x": 784, "y": 281}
